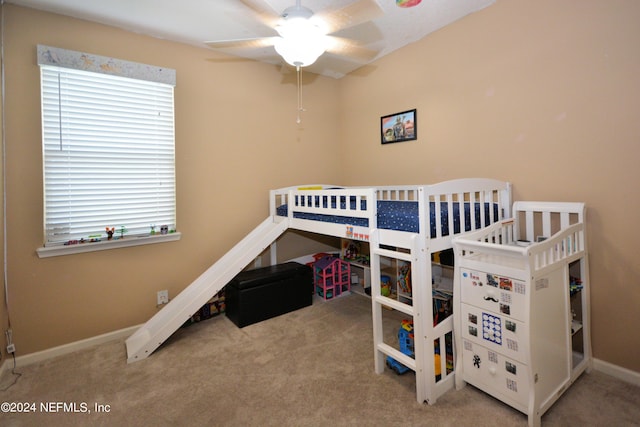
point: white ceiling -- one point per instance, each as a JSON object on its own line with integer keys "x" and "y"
{"x": 197, "y": 21}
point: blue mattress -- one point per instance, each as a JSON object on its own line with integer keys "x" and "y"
{"x": 402, "y": 216}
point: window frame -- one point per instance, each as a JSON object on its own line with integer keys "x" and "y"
{"x": 62, "y": 58}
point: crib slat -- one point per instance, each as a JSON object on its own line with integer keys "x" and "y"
{"x": 529, "y": 222}
{"x": 546, "y": 225}
{"x": 564, "y": 219}
{"x": 483, "y": 200}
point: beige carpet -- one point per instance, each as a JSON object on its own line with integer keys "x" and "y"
{"x": 312, "y": 367}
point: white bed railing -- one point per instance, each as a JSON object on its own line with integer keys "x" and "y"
{"x": 491, "y": 198}
{"x": 404, "y": 193}
{"x": 280, "y": 196}
{"x": 352, "y": 202}
{"x": 479, "y": 194}
{"x": 532, "y": 234}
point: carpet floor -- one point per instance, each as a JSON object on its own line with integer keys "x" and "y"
{"x": 311, "y": 367}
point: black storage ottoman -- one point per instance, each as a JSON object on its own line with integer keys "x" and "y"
{"x": 260, "y": 294}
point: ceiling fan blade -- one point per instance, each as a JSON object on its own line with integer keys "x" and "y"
{"x": 351, "y": 15}
{"x": 267, "y": 15}
{"x": 243, "y": 43}
{"x": 333, "y": 66}
{"x": 349, "y": 48}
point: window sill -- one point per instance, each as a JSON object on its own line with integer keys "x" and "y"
{"x": 51, "y": 251}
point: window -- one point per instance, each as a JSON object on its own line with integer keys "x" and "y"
{"x": 108, "y": 150}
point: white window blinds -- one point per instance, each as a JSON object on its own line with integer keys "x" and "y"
{"x": 108, "y": 146}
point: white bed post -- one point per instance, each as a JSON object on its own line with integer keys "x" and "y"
{"x": 421, "y": 275}
{"x": 422, "y": 320}
{"x": 374, "y": 260}
{"x": 376, "y": 309}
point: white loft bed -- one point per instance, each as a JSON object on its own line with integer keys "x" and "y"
{"x": 521, "y": 290}
{"x": 408, "y": 223}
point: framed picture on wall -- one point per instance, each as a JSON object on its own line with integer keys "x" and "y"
{"x": 399, "y": 127}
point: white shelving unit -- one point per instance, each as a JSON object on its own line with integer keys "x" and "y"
{"x": 398, "y": 270}
{"x": 521, "y": 306}
{"x": 358, "y": 255}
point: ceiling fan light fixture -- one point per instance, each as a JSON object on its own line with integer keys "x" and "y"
{"x": 301, "y": 42}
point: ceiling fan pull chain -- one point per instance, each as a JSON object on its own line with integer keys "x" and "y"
{"x": 299, "y": 87}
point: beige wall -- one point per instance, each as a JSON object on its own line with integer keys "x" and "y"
{"x": 236, "y": 138}
{"x": 544, "y": 94}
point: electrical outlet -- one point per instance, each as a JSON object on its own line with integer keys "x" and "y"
{"x": 11, "y": 348}
{"x": 163, "y": 297}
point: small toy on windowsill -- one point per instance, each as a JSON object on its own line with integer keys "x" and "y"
{"x": 122, "y": 230}
{"x": 110, "y": 232}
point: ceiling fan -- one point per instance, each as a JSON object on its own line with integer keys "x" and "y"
{"x": 302, "y": 35}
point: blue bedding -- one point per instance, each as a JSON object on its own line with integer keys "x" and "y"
{"x": 401, "y": 215}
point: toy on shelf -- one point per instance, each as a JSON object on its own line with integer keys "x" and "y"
{"x": 385, "y": 285}
{"x": 442, "y": 305}
{"x": 351, "y": 250}
{"x": 448, "y": 354}
{"x": 331, "y": 276}
{"x": 575, "y": 285}
{"x": 404, "y": 278}
{"x": 211, "y": 308}
{"x": 316, "y": 258}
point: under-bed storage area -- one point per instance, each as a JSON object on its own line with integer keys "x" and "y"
{"x": 521, "y": 305}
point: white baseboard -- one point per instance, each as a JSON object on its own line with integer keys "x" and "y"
{"x": 50, "y": 353}
{"x": 618, "y": 372}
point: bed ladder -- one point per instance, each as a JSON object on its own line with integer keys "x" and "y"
{"x": 172, "y": 316}
{"x": 421, "y": 311}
